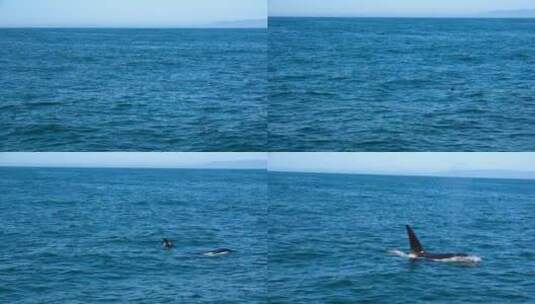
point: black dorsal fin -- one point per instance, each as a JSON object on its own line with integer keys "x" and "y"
{"x": 416, "y": 247}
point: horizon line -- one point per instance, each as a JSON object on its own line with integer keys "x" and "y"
{"x": 393, "y": 174}
{"x": 520, "y": 13}
{"x": 222, "y": 24}
{"x": 399, "y": 174}
{"x": 403, "y": 16}
{"x": 124, "y": 167}
{"x": 133, "y": 28}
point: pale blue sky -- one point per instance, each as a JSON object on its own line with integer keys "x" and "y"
{"x": 128, "y": 13}
{"x": 393, "y": 7}
{"x": 405, "y": 163}
{"x": 130, "y": 159}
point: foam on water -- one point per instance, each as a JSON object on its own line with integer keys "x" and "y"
{"x": 213, "y": 254}
{"x": 402, "y": 254}
{"x": 470, "y": 259}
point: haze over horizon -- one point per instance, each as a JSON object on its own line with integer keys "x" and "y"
{"x": 133, "y": 13}
{"x": 204, "y": 160}
{"x": 456, "y": 164}
{"x": 470, "y": 164}
{"x": 393, "y": 8}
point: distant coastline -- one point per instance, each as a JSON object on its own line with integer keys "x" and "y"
{"x": 253, "y": 23}
{"x": 217, "y": 165}
{"x": 404, "y": 17}
{"x": 478, "y": 174}
{"x": 506, "y": 14}
{"x": 238, "y": 24}
{"x": 529, "y": 13}
{"x": 74, "y": 167}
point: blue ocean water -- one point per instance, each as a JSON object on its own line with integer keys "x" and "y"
{"x": 133, "y": 89}
{"x": 93, "y": 235}
{"x": 365, "y": 84}
{"x": 331, "y": 239}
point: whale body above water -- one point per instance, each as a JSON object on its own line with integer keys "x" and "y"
{"x": 418, "y": 251}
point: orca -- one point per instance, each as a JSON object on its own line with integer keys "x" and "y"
{"x": 217, "y": 252}
{"x": 418, "y": 251}
{"x": 167, "y": 243}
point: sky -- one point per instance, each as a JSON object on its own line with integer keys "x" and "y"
{"x": 133, "y": 159}
{"x": 128, "y": 13}
{"x": 393, "y": 7}
{"x": 443, "y": 164}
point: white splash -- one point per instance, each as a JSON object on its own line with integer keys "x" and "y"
{"x": 470, "y": 259}
{"x": 403, "y": 254}
{"x": 213, "y": 254}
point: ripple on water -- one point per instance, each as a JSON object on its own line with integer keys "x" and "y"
{"x": 101, "y": 89}
{"x": 90, "y": 235}
{"x": 330, "y": 80}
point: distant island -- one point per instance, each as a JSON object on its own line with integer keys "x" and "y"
{"x": 505, "y": 174}
{"x": 493, "y": 174}
{"x": 254, "y": 23}
{"x": 528, "y": 13}
{"x": 524, "y": 13}
{"x": 253, "y": 164}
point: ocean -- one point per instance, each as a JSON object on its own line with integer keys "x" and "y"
{"x": 386, "y": 84}
{"x": 333, "y": 238}
{"x": 93, "y": 235}
{"x": 133, "y": 89}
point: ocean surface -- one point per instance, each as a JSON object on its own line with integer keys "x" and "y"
{"x": 333, "y": 237}
{"x": 133, "y": 89}
{"x": 365, "y": 84}
{"x": 93, "y": 236}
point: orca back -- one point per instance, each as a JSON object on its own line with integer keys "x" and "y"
{"x": 221, "y": 250}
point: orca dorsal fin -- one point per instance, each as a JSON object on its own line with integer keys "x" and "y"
{"x": 416, "y": 247}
